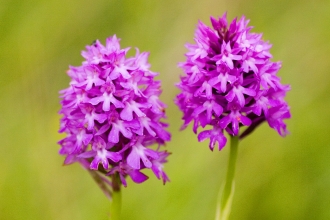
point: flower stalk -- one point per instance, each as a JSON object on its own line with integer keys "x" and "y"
{"x": 115, "y": 204}
{"x": 227, "y": 191}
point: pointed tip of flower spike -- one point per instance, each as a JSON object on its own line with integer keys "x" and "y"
{"x": 215, "y": 23}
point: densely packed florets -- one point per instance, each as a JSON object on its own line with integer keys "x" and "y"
{"x": 112, "y": 114}
{"x": 229, "y": 81}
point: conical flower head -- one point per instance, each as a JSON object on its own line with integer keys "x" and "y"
{"x": 112, "y": 114}
{"x": 229, "y": 82}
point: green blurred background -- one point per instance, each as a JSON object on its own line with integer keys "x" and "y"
{"x": 277, "y": 178}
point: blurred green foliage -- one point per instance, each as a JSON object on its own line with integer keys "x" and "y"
{"x": 277, "y": 178}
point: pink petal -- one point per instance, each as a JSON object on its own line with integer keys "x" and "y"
{"x": 137, "y": 176}
{"x": 133, "y": 159}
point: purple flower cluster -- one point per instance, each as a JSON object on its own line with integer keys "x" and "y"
{"x": 112, "y": 114}
{"x": 229, "y": 81}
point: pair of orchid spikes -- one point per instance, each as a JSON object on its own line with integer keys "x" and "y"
{"x": 112, "y": 114}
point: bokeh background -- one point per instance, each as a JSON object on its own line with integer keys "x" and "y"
{"x": 276, "y": 178}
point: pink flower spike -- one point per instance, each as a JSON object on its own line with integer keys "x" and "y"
{"x": 112, "y": 115}
{"x": 229, "y": 82}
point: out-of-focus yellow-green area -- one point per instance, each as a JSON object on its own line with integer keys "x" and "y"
{"x": 276, "y": 178}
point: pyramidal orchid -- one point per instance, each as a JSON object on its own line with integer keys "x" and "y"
{"x": 112, "y": 117}
{"x": 230, "y": 84}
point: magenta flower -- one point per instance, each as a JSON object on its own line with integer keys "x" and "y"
{"x": 229, "y": 82}
{"x": 112, "y": 115}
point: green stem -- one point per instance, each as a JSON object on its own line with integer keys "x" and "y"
{"x": 115, "y": 206}
{"x": 224, "y": 205}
